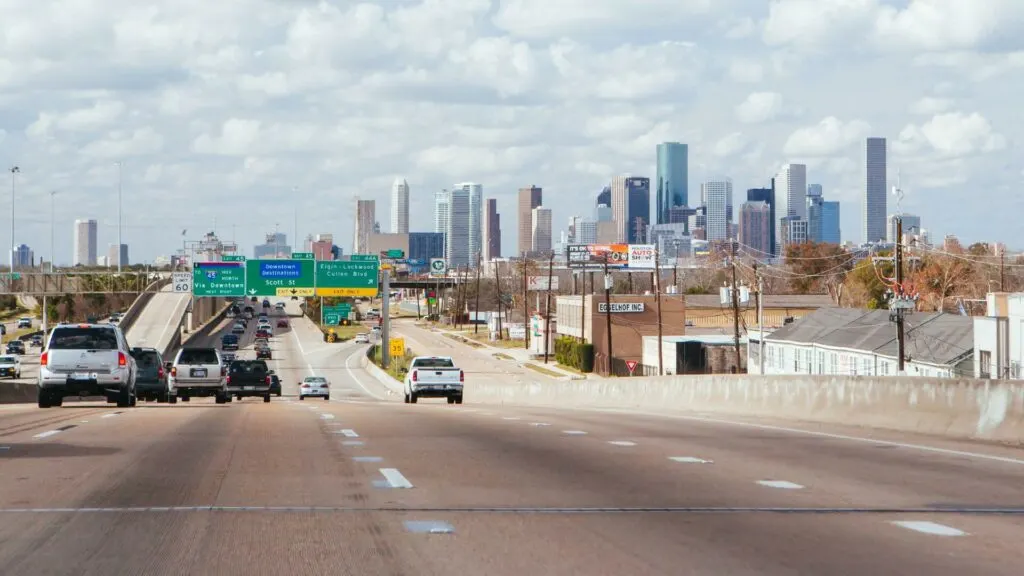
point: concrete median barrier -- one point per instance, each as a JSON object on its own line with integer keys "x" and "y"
{"x": 954, "y": 408}
{"x": 17, "y": 392}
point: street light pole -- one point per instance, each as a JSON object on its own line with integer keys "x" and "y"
{"x": 120, "y": 253}
{"x": 53, "y": 193}
{"x": 14, "y": 186}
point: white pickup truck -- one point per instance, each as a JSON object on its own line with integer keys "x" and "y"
{"x": 434, "y": 377}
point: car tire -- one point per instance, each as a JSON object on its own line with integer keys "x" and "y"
{"x": 266, "y": 398}
{"x": 301, "y": 397}
{"x": 172, "y": 399}
{"x": 327, "y": 398}
{"x": 185, "y": 398}
{"x": 406, "y": 399}
{"x": 133, "y": 400}
{"x": 124, "y": 399}
{"x": 451, "y": 399}
{"x": 219, "y": 398}
{"x": 44, "y": 398}
{"x": 278, "y": 394}
{"x": 458, "y": 399}
{"x": 413, "y": 398}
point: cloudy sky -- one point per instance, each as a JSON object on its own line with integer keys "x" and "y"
{"x": 220, "y": 109}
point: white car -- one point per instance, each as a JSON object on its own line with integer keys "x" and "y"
{"x": 10, "y": 366}
{"x": 362, "y": 338}
{"x": 315, "y": 386}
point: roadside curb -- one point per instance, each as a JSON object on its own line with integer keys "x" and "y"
{"x": 381, "y": 376}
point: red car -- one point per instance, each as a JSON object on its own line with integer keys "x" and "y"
{"x": 282, "y": 323}
{"x": 262, "y": 334}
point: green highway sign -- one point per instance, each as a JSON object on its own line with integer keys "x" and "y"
{"x": 340, "y": 278}
{"x": 279, "y": 278}
{"x": 233, "y": 258}
{"x": 302, "y": 255}
{"x": 364, "y": 258}
{"x": 333, "y": 315}
{"x": 395, "y": 254}
{"x": 218, "y": 279}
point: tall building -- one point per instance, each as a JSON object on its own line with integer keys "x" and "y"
{"x": 603, "y": 213}
{"x": 631, "y": 208}
{"x": 424, "y": 246}
{"x": 814, "y": 204}
{"x": 114, "y": 257}
{"x": 492, "y": 231}
{"x": 830, "y": 231}
{"x": 441, "y": 209}
{"x": 793, "y": 230}
{"x": 874, "y": 190}
{"x": 671, "y": 241}
{"x": 718, "y": 200}
{"x": 756, "y": 228}
{"x": 529, "y": 198}
{"x": 790, "y": 198}
{"x": 400, "y": 207}
{"x": 457, "y": 245}
{"x": 766, "y": 195}
{"x": 605, "y": 197}
{"x": 476, "y": 208}
{"x": 671, "y": 179}
{"x": 274, "y": 246}
{"x": 85, "y": 243}
{"x": 366, "y": 218}
{"x": 584, "y": 231}
{"x": 23, "y": 257}
{"x": 541, "y": 233}
{"x": 911, "y": 226}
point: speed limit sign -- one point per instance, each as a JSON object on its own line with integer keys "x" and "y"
{"x": 182, "y": 282}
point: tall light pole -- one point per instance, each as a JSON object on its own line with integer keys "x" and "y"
{"x": 53, "y": 193}
{"x": 14, "y": 186}
{"x": 120, "y": 252}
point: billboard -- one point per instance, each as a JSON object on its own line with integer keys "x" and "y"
{"x": 641, "y": 256}
{"x": 593, "y": 255}
{"x": 540, "y": 283}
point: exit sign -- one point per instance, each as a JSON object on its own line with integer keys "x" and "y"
{"x": 234, "y": 258}
{"x": 302, "y": 256}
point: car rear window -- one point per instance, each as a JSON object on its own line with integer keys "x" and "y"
{"x": 229, "y": 338}
{"x": 253, "y": 367}
{"x": 146, "y": 358}
{"x": 433, "y": 363}
{"x": 7, "y": 359}
{"x": 79, "y": 338}
{"x": 198, "y": 356}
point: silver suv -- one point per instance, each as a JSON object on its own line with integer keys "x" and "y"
{"x": 86, "y": 360}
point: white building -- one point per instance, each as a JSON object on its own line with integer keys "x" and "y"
{"x": 541, "y": 233}
{"x": 366, "y": 218}
{"x": 400, "y": 207}
{"x": 718, "y": 199}
{"x": 790, "y": 196}
{"x": 458, "y": 250}
{"x": 854, "y": 342}
{"x": 85, "y": 243}
{"x": 585, "y": 230}
{"x": 911, "y": 227}
{"x": 476, "y": 211}
{"x": 874, "y": 204}
{"x": 999, "y": 337}
{"x": 23, "y": 257}
{"x": 442, "y": 208}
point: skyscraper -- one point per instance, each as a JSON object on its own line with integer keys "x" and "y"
{"x": 718, "y": 199}
{"x": 605, "y": 197}
{"x": 874, "y": 190}
{"x": 790, "y": 201}
{"x": 442, "y": 206}
{"x": 115, "y": 256}
{"x": 815, "y": 200}
{"x": 85, "y": 243}
{"x": 366, "y": 217}
{"x": 631, "y": 208}
{"x": 766, "y": 195}
{"x": 492, "y": 231}
{"x": 830, "y": 231}
{"x": 755, "y": 228}
{"x": 672, "y": 179}
{"x": 400, "y": 207}
{"x": 23, "y": 257}
{"x": 457, "y": 246}
{"x": 476, "y": 209}
{"x": 541, "y": 233}
{"x": 529, "y": 198}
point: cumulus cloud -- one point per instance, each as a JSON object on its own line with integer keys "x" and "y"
{"x": 951, "y": 134}
{"x": 830, "y": 137}
{"x": 759, "y": 107}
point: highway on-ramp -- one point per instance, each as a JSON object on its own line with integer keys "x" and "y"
{"x": 365, "y": 484}
{"x": 159, "y": 320}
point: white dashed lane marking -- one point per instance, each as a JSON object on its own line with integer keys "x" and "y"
{"x": 573, "y": 432}
{"x": 621, "y": 443}
{"x": 350, "y": 433}
{"x": 783, "y": 484}
{"x": 931, "y": 528}
{"x": 689, "y": 460}
{"x": 47, "y": 434}
{"x": 395, "y": 478}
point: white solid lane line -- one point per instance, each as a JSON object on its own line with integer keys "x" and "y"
{"x": 395, "y": 478}
{"x": 47, "y": 434}
{"x": 539, "y": 424}
{"x": 327, "y": 416}
{"x": 690, "y": 460}
{"x": 783, "y": 484}
{"x": 621, "y": 443}
{"x": 931, "y": 528}
{"x": 510, "y": 418}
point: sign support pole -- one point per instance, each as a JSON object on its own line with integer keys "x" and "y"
{"x": 385, "y": 315}
{"x": 547, "y": 310}
{"x": 608, "y": 311}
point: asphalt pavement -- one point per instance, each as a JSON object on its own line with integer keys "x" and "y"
{"x": 364, "y": 484}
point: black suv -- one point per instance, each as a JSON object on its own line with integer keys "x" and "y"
{"x": 151, "y": 378}
{"x": 229, "y": 342}
{"x": 16, "y": 347}
{"x": 275, "y": 384}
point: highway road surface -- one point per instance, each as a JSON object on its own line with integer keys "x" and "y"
{"x": 156, "y": 325}
{"x": 364, "y": 484}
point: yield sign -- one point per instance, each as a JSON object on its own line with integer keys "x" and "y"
{"x": 631, "y": 364}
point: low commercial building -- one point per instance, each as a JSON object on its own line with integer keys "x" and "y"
{"x": 707, "y": 310}
{"x": 698, "y": 354}
{"x": 999, "y": 337}
{"x": 855, "y": 342}
{"x": 632, "y": 317}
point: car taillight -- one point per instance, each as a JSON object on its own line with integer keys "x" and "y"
{"x": 227, "y": 380}
{"x": 462, "y": 376}
{"x": 160, "y": 372}
{"x": 268, "y": 380}
{"x": 44, "y": 358}
{"x": 174, "y": 372}
{"x": 415, "y": 375}
{"x": 122, "y": 360}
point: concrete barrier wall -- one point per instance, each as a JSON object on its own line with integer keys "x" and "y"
{"x": 201, "y": 333}
{"x": 955, "y": 408}
{"x": 379, "y": 374}
{"x": 17, "y": 392}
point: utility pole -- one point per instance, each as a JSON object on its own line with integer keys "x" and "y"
{"x": 385, "y": 324}
{"x": 1002, "y": 269}
{"x": 526, "y": 305}
{"x": 760, "y": 318}
{"x": 119, "y": 253}
{"x": 735, "y": 309}
{"x": 608, "y": 310}
{"x": 547, "y": 309}
{"x": 583, "y": 304}
{"x": 497, "y": 290}
{"x": 657, "y": 297}
{"x": 898, "y": 264}
{"x": 479, "y": 266}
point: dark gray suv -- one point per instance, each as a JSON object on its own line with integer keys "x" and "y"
{"x": 150, "y": 377}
